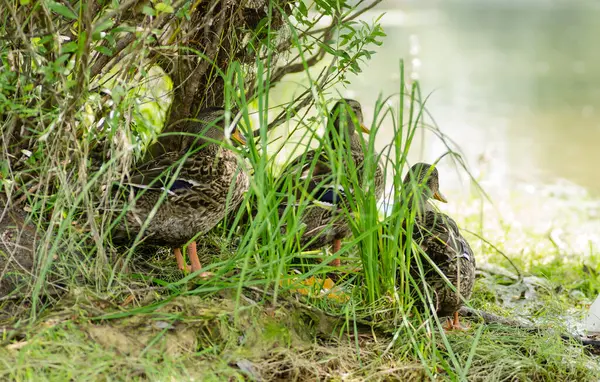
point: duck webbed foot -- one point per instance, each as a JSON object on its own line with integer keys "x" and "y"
{"x": 193, "y": 255}
{"x": 180, "y": 261}
{"x": 196, "y": 266}
{"x": 454, "y": 324}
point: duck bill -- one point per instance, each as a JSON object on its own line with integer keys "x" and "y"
{"x": 364, "y": 129}
{"x": 438, "y": 196}
{"x": 238, "y": 137}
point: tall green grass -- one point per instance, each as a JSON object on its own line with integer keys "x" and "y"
{"x": 79, "y": 215}
{"x": 384, "y": 289}
{"x": 78, "y": 150}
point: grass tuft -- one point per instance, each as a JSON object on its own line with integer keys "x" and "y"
{"x": 73, "y": 306}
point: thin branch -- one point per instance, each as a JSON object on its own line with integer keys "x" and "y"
{"x": 123, "y": 43}
{"x": 590, "y": 344}
{"x": 288, "y": 43}
{"x": 304, "y": 65}
{"x": 118, "y": 12}
{"x": 349, "y": 18}
{"x": 490, "y": 318}
{"x": 280, "y": 72}
{"x": 304, "y": 100}
{"x": 103, "y": 60}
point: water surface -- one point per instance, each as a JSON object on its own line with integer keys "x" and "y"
{"x": 516, "y": 86}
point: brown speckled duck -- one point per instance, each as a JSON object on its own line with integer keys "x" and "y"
{"x": 198, "y": 184}
{"x": 439, "y": 237}
{"x": 324, "y": 216}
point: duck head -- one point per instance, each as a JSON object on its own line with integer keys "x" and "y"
{"x": 426, "y": 175}
{"x": 347, "y": 119}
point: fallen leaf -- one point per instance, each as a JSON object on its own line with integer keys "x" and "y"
{"x": 128, "y": 300}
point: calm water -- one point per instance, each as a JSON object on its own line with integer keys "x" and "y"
{"x": 516, "y": 87}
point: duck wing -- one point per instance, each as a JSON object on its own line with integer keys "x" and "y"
{"x": 440, "y": 238}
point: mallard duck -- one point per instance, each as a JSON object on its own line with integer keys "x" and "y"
{"x": 439, "y": 237}
{"x": 324, "y": 217}
{"x": 197, "y": 184}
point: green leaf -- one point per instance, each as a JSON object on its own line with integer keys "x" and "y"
{"x": 62, "y": 10}
{"x": 325, "y": 7}
{"x": 148, "y": 11}
{"x": 24, "y": 2}
{"x": 110, "y": 39}
{"x": 379, "y": 32}
{"x": 103, "y": 26}
{"x": 69, "y": 47}
{"x": 45, "y": 39}
{"x": 328, "y": 49}
{"x": 302, "y": 9}
{"x": 184, "y": 12}
{"x": 61, "y": 60}
{"x": 124, "y": 28}
{"x": 164, "y": 8}
{"x": 104, "y": 50}
{"x": 71, "y": 84}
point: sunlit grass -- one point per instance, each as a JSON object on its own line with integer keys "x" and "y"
{"x": 272, "y": 309}
{"x": 256, "y": 266}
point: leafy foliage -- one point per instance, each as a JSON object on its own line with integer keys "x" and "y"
{"x": 88, "y": 87}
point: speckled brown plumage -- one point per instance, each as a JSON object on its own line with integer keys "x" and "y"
{"x": 325, "y": 220}
{"x": 341, "y": 127}
{"x": 323, "y": 223}
{"x": 198, "y": 185}
{"x": 439, "y": 237}
{"x": 189, "y": 211}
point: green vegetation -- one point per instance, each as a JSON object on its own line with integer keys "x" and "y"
{"x": 88, "y": 310}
